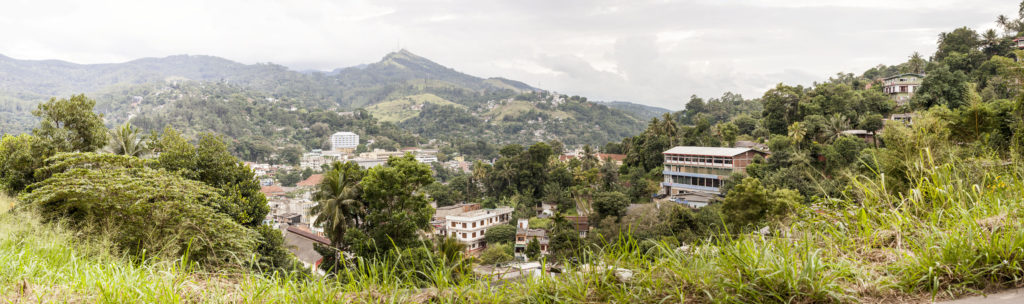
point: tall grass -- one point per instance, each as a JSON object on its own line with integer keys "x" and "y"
{"x": 957, "y": 230}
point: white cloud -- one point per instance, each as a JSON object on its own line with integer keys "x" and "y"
{"x": 653, "y": 52}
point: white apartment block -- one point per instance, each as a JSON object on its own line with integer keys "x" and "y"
{"x": 344, "y": 141}
{"x": 470, "y": 227}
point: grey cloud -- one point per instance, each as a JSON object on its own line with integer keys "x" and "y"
{"x": 653, "y": 52}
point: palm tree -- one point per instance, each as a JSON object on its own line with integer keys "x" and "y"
{"x": 125, "y": 140}
{"x": 836, "y": 124}
{"x": 1003, "y": 22}
{"x": 339, "y": 206}
{"x": 991, "y": 40}
{"x": 797, "y": 131}
{"x": 589, "y": 159}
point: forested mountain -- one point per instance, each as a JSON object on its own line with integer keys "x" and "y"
{"x": 184, "y": 91}
{"x": 642, "y": 112}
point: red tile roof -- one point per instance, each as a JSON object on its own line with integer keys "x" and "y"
{"x": 272, "y": 190}
{"x": 312, "y": 181}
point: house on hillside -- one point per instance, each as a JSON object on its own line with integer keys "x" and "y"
{"x": 901, "y": 88}
{"x": 524, "y": 235}
{"x": 703, "y": 169}
{"x": 1018, "y": 42}
{"x": 862, "y": 134}
{"x": 470, "y": 227}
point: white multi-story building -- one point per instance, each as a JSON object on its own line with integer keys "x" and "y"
{"x": 344, "y": 141}
{"x": 470, "y": 227}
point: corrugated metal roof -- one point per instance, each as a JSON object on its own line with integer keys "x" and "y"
{"x": 707, "y": 151}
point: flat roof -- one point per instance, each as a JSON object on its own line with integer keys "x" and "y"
{"x": 344, "y": 133}
{"x": 478, "y": 213}
{"x": 905, "y": 74}
{"x": 708, "y": 151}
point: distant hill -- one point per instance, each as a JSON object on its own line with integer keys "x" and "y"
{"x": 176, "y": 90}
{"x": 642, "y": 112}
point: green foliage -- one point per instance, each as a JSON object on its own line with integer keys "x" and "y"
{"x": 942, "y": 87}
{"x": 340, "y": 206}
{"x": 496, "y": 254}
{"x": 125, "y": 140}
{"x": 749, "y": 203}
{"x": 961, "y": 40}
{"x": 610, "y": 204}
{"x": 146, "y": 212}
{"x": 69, "y": 125}
{"x": 532, "y": 249}
{"x": 396, "y": 210}
{"x": 19, "y": 157}
{"x": 210, "y": 162}
{"x": 500, "y": 234}
{"x": 374, "y": 211}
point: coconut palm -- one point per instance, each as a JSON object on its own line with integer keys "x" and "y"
{"x": 835, "y": 125}
{"x": 126, "y": 140}
{"x": 797, "y": 131}
{"x": 1003, "y": 22}
{"x": 339, "y": 206}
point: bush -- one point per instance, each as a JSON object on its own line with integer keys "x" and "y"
{"x": 146, "y": 212}
{"x": 496, "y": 253}
{"x": 500, "y": 234}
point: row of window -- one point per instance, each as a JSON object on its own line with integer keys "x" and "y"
{"x": 697, "y": 181}
{"x": 699, "y": 170}
{"x": 466, "y": 235}
{"x": 474, "y": 223}
{"x": 705, "y": 160}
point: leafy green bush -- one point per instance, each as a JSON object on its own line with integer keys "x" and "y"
{"x": 146, "y": 212}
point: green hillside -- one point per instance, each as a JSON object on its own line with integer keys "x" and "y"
{"x": 252, "y": 103}
{"x": 399, "y": 110}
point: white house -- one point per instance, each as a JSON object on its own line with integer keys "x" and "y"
{"x": 470, "y": 227}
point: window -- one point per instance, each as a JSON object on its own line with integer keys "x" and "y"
{"x": 474, "y": 224}
{"x": 463, "y": 235}
{"x": 453, "y": 224}
{"x": 463, "y": 225}
{"x": 474, "y": 234}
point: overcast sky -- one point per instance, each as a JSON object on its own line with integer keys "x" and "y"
{"x": 651, "y": 52}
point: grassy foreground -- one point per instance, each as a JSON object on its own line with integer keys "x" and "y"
{"x": 957, "y": 232}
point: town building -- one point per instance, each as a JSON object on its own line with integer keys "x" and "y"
{"x": 440, "y": 213}
{"x": 703, "y": 169}
{"x": 902, "y": 87}
{"x": 470, "y": 227}
{"x": 310, "y": 182}
{"x": 1018, "y": 42}
{"x": 524, "y": 235}
{"x": 344, "y": 141}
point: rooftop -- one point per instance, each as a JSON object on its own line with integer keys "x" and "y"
{"x": 312, "y": 181}
{"x": 905, "y": 74}
{"x": 344, "y": 133}
{"x": 481, "y": 212}
{"x": 708, "y": 151}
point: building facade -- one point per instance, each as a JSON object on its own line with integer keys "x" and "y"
{"x": 470, "y": 227}
{"x": 703, "y": 169}
{"x": 902, "y": 87}
{"x": 344, "y": 141}
{"x": 524, "y": 235}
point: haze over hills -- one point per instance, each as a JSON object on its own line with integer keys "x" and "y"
{"x": 183, "y": 90}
